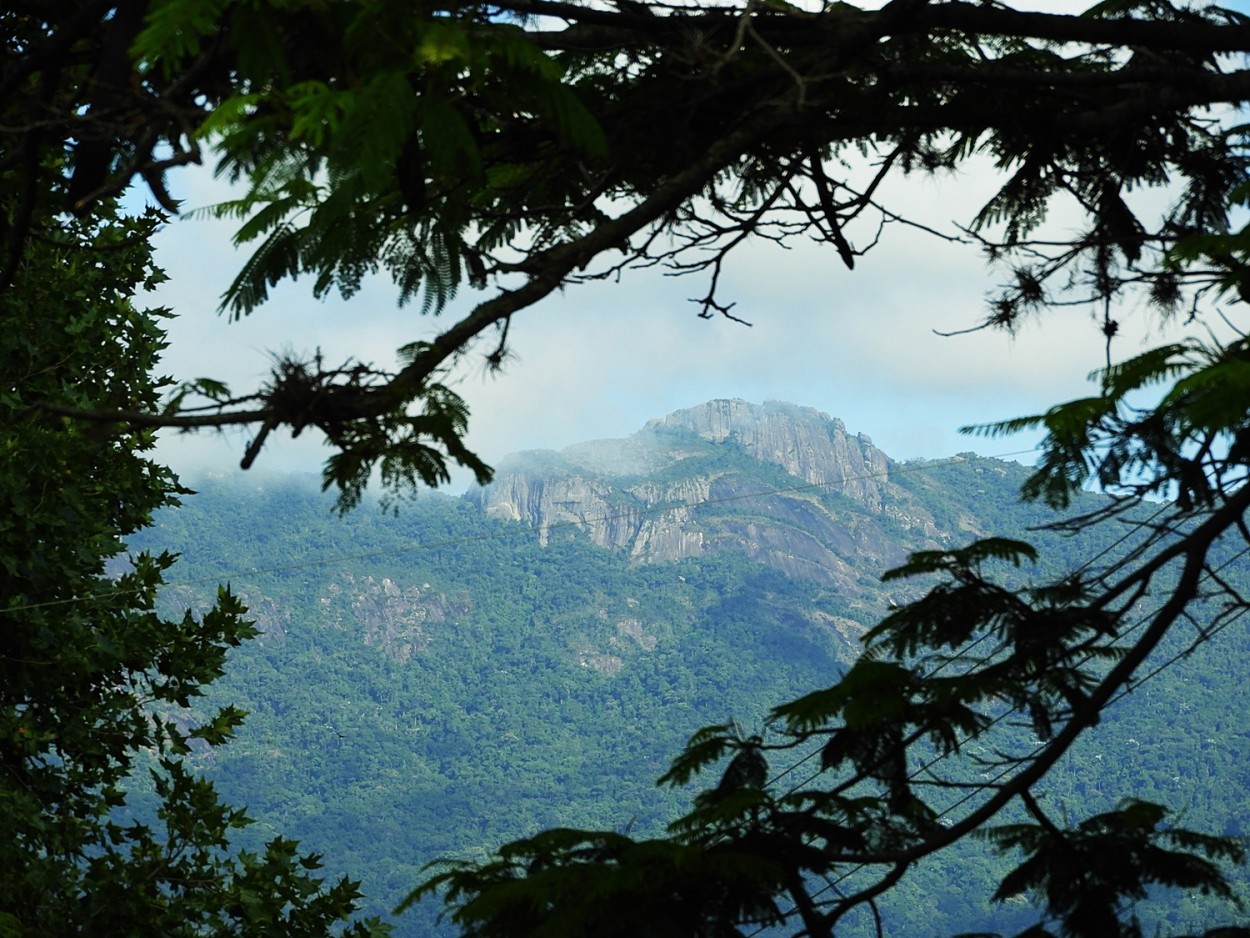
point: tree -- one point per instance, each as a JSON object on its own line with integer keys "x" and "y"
{"x": 527, "y": 145}
{"x": 92, "y": 678}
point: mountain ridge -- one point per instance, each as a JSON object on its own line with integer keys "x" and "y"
{"x": 650, "y": 494}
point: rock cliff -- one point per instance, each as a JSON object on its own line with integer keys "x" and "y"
{"x": 806, "y": 443}
{"x": 786, "y": 484}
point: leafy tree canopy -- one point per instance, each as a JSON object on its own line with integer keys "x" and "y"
{"x": 522, "y": 146}
{"x": 92, "y": 679}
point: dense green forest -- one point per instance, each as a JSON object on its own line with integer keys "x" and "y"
{"x": 434, "y": 683}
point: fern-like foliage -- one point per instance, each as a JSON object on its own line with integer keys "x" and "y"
{"x": 1176, "y": 448}
{"x": 378, "y": 163}
{"x": 1124, "y": 853}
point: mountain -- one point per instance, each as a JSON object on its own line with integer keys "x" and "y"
{"x": 785, "y": 486}
{"x": 470, "y": 670}
{"x": 679, "y": 487}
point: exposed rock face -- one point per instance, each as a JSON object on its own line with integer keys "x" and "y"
{"x": 547, "y": 501}
{"x": 806, "y": 443}
{"x": 396, "y": 618}
{"x": 658, "y": 494}
{"x": 267, "y": 617}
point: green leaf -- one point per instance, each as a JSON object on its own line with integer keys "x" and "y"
{"x": 706, "y": 746}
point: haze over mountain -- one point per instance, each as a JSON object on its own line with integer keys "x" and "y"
{"x": 787, "y": 486}
{"x": 471, "y": 670}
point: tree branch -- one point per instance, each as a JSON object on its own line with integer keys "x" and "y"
{"x": 1193, "y": 548}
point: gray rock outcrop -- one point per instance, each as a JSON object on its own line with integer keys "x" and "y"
{"x": 656, "y": 494}
{"x": 806, "y": 443}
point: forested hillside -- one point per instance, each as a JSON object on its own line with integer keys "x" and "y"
{"x": 437, "y": 681}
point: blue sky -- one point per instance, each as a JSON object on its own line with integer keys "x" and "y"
{"x": 600, "y": 360}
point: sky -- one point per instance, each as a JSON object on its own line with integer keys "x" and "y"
{"x": 599, "y": 360}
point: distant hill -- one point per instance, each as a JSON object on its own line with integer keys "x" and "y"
{"x": 470, "y": 670}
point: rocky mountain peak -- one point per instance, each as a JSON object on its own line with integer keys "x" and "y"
{"x": 806, "y": 443}
{"x": 647, "y": 494}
